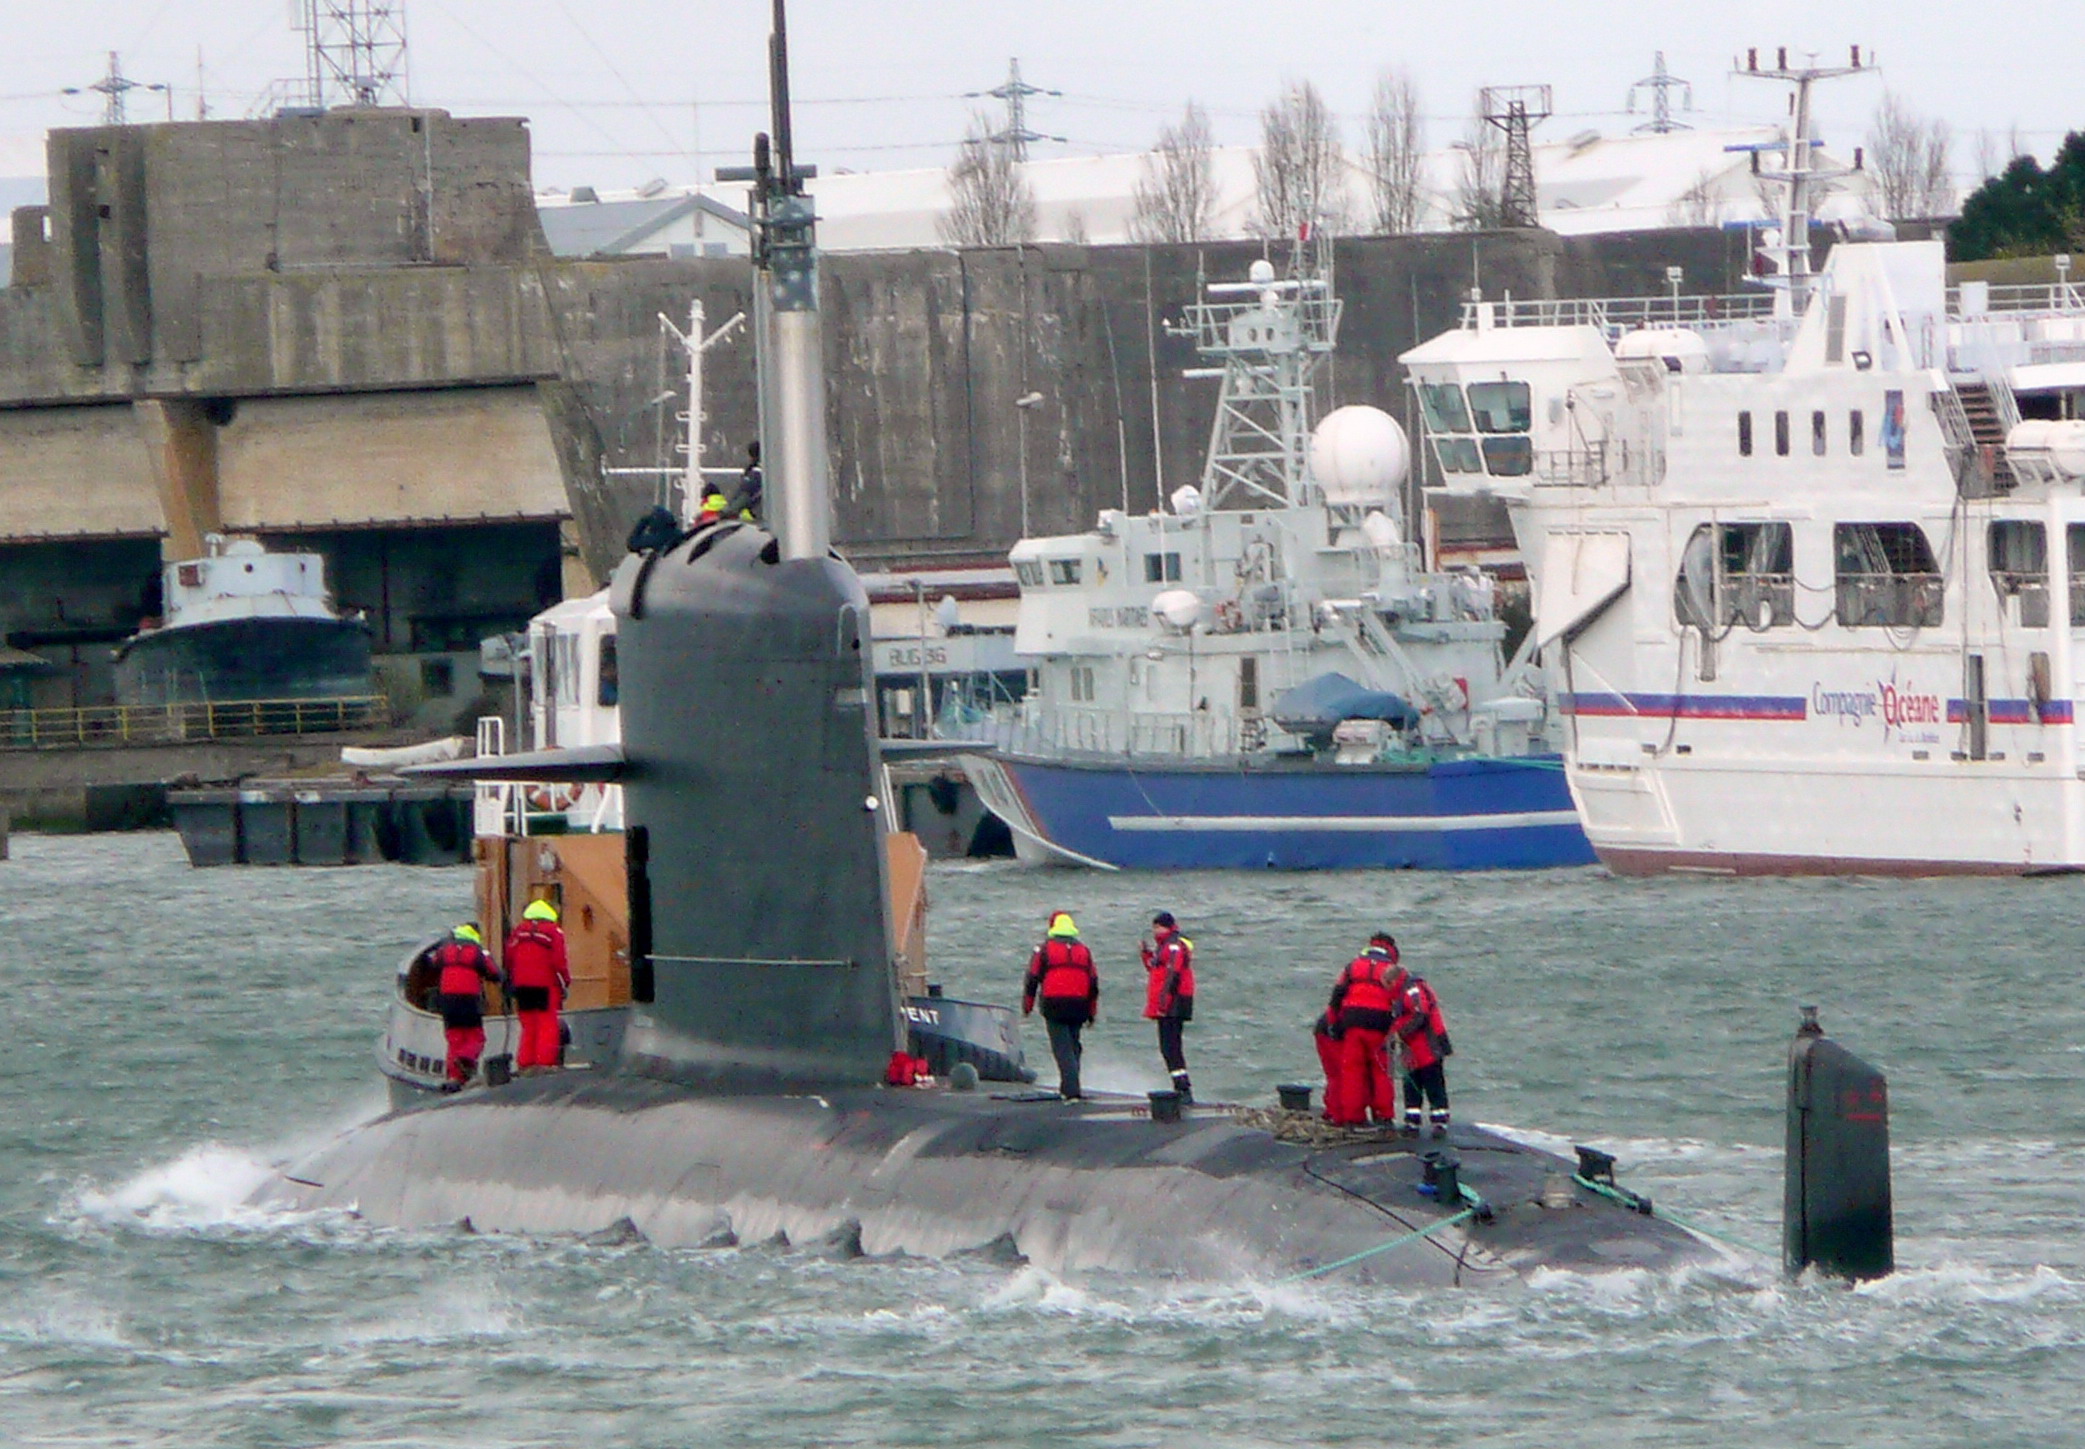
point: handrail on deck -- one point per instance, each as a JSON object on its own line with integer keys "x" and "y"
{"x": 166, "y": 724}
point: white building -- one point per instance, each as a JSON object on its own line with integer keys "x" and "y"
{"x": 1585, "y": 184}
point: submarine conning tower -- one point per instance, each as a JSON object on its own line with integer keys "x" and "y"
{"x": 755, "y": 833}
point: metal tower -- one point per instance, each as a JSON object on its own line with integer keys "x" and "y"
{"x": 113, "y": 87}
{"x": 1015, "y": 93}
{"x": 1661, "y": 84}
{"x": 354, "y": 52}
{"x": 1800, "y": 172}
{"x": 1270, "y": 336}
{"x": 1517, "y": 110}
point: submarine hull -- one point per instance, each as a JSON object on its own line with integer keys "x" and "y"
{"x": 1070, "y": 1187}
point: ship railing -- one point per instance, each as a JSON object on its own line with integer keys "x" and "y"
{"x": 2055, "y": 299}
{"x": 1599, "y": 465}
{"x": 1307, "y": 316}
{"x": 1616, "y": 315}
{"x": 167, "y": 724}
{"x": 1073, "y": 730}
{"x": 1894, "y": 601}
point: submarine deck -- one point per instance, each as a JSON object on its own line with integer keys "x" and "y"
{"x": 1070, "y": 1186}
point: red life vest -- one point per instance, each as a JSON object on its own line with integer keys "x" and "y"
{"x": 1169, "y": 980}
{"x": 1063, "y": 971}
{"x": 536, "y": 955}
{"x": 1362, "y": 995}
{"x": 464, "y": 967}
{"x": 1420, "y": 1025}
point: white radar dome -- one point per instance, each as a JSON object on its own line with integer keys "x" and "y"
{"x": 1260, "y": 272}
{"x": 1178, "y": 609}
{"x": 1187, "y": 501}
{"x": 1360, "y": 456}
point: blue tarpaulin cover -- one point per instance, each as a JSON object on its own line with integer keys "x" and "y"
{"x": 1315, "y": 706}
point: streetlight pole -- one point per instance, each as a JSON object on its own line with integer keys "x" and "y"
{"x": 1021, "y": 406}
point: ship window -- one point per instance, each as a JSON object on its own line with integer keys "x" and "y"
{"x": 1501, "y": 407}
{"x": 1744, "y": 435}
{"x": 1457, "y": 455}
{"x": 1082, "y": 683}
{"x": 610, "y": 688}
{"x": 1737, "y": 573}
{"x": 1509, "y": 457}
{"x": 1856, "y": 433}
{"x": 1781, "y": 435}
{"x": 2076, "y": 539}
{"x": 1886, "y": 576}
{"x": 1442, "y": 404}
{"x": 2019, "y": 552}
{"x": 1030, "y": 574}
{"x": 1817, "y": 434}
{"x": 1064, "y": 570}
{"x": 1161, "y": 568}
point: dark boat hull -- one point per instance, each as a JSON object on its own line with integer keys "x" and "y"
{"x": 245, "y": 659}
{"x": 1071, "y": 1187}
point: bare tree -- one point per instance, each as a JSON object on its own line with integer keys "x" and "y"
{"x": 1910, "y": 157}
{"x": 1396, "y": 144}
{"x": 1480, "y": 201}
{"x": 1176, "y": 196}
{"x": 990, "y": 203}
{"x": 1297, "y": 170}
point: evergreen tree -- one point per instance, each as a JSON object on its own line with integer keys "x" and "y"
{"x": 2024, "y": 210}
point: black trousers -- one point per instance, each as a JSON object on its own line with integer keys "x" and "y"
{"x": 1430, "y": 1083}
{"x": 1169, "y": 1043}
{"x": 1064, "y": 1046}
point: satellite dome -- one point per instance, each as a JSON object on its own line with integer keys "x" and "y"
{"x": 1360, "y": 456}
{"x": 1178, "y": 609}
{"x": 1187, "y": 501}
{"x": 1261, "y": 272}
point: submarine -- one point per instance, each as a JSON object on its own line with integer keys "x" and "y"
{"x": 744, "y": 1101}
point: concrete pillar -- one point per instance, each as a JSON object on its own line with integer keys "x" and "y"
{"x": 579, "y": 580}
{"x": 181, "y": 441}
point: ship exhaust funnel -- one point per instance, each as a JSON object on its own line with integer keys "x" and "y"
{"x": 1835, "y": 1209}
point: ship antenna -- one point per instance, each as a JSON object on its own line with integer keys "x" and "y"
{"x": 787, "y": 333}
{"x": 1800, "y": 171}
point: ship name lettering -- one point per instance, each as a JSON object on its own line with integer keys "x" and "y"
{"x": 1900, "y": 707}
{"x": 1847, "y": 706}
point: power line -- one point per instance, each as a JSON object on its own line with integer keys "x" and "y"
{"x": 1014, "y": 91}
{"x": 113, "y": 87}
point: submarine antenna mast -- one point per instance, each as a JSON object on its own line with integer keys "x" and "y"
{"x": 788, "y": 333}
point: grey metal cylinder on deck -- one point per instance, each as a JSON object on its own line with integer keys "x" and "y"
{"x": 799, "y": 500}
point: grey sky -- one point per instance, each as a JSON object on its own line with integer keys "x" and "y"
{"x": 621, "y": 90}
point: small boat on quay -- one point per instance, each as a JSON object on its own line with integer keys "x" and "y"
{"x": 244, "y": 623}
{"x": 1808, "y": 562}
{"x": 1267, "y": 674}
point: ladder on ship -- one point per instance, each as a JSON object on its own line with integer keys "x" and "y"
{"x": 1977, "y": 417}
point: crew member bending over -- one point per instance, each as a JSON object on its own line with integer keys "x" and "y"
{"x": 1169, "y": 994}
{"x": 1062, "y": 973}
{"x": 1423, "y": 1033}
{"x": 465, "y": 968}
{"x": 540, "y": 977}
{"x": 1362, "y": 1009}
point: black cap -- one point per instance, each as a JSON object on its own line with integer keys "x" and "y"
{"x": 1164, "y": 918}
{"x": 1385, "y": 937}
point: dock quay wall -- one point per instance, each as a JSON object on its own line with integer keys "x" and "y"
{"x": 345, "y": 332}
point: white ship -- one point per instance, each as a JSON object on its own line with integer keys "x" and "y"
{"x": 1268, "y": 675}
{"x": 1807, "y": 562}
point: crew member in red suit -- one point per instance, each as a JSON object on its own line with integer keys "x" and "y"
{"x": 464, "y": 968}
{"x": 1062, "y": 973}
{"x": 1169, "y": 994}
{"x": 1325, "y": 1033}
{"x": 1363, "y": 1010}
{"x": 1423, "y": 1033}
{"x": 539, "y": 976}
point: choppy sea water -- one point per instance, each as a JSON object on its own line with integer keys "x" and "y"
{"x": 169, "y": 1033}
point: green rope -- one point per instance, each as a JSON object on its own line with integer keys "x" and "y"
{"x": 1636, "y": 1204}
{"x": 1411, "y": 1237}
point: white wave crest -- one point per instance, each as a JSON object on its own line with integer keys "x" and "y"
{"x": 206, "y": 1186}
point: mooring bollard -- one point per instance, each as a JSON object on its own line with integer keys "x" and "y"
{"x": 1835, "y": 1206}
